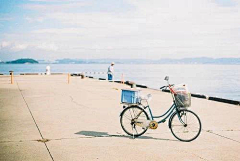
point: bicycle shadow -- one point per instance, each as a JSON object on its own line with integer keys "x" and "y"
{"x": 105, "y": 134}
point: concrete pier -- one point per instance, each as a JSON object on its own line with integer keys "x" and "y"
{"x": 45, "y": 118}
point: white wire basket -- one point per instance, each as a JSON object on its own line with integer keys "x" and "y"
{"x": 183, "y": 96}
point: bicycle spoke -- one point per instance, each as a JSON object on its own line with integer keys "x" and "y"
{"x": 131, "y": 114}
{"x": 180, "y": 129}
{"x": 134, "y": 112}
{"x": 128, "y": 117}
{"x": 197, "y": 128}
{"x": 135, "y": 129}
{"x": 176, "y": 125}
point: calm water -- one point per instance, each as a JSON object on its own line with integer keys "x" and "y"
{"x": 213, "y": 80}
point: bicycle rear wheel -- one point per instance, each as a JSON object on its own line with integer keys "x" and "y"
{"x": 187, "y": 130}
{"x": 132, "y": 120}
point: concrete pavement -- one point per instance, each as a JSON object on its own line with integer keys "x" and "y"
{"x": 80, "y": 121}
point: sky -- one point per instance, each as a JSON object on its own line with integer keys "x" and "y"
{"x": 119, "y": 29}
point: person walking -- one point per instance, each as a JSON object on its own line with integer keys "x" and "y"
{"x": 110, "y": 71}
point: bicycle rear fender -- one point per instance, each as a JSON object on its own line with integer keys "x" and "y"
{"x": 132, "y": 106}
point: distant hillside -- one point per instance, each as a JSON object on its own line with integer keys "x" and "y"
{"x": 23, "y": 61}
{"x": 199, "y": 60}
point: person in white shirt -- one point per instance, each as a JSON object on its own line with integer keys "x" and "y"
{"x": 110, "y": 71}
{"x": 48, "y": 70}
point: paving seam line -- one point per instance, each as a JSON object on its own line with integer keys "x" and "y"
{"x": 17, "y": 141}
{"x": 35, "y": 121}
{"x": 78, "y": 104}
{"x": 222, "y": 136}
{"x": 186, "y": 152}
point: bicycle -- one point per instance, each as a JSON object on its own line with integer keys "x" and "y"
{"x": 184, "y": 124}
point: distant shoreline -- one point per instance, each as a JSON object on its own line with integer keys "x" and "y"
{"x": 108, "y": 64}
{"x": 200, "y": 60}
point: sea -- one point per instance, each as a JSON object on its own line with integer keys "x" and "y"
{"x": 221, "y": 81}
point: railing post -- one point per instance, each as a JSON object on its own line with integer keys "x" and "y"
{"x": 68, "y": 78}
{"x": 11, "y": 73}
{"x": 122, "y": 80}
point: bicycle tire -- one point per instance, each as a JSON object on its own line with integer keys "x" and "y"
{"x": 188, "y": 128}
{"x": 127, "y": 124}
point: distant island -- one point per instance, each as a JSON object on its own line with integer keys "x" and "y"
{"x": 22, "y": 61}
{"x": 198, "y": 60}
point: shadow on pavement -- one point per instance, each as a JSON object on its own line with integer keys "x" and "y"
{"x": 105, "y": 134}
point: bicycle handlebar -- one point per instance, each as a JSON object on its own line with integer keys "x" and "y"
{"x": 166, "y": 86}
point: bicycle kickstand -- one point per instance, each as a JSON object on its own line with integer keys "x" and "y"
{"x": 133, "y": 132}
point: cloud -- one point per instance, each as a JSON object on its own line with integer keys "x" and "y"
{"x": 47, "y": 46}
{"x": 55, "y": 7}
{"x": 155, "y": 17}
{"x": 175, "y": 22}
{"x": 226, "y": 3}
{"x": 54, "y": 1}
{"x": 34, "y": 19}
{"x": 59, "y": 31}
{"x": 18, "y": 46}
{"x": 152, "y": 28}
{"x": 5, "y": 17}
{"x": 4, "y": 44}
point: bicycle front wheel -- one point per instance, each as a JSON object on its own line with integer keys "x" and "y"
{"x": 133, "y": 119}
{"x": 186, "y": 126}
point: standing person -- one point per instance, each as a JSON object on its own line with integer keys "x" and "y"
{"x": 48, "y": 70}
{"x": 110, "y": 71}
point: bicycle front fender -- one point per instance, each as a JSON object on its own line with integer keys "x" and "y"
{"x": 170, "y": 119}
